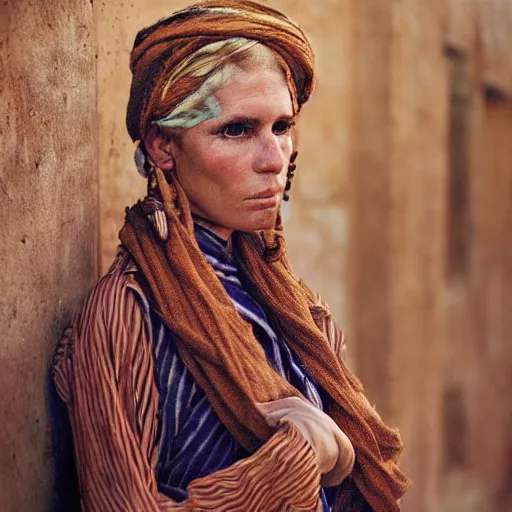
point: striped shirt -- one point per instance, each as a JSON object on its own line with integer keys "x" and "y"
{"x": 127, "y": 426}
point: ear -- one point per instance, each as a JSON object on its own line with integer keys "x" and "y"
{"x": 159, "y": 149}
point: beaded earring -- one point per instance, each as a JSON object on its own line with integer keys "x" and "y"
{"x": 152, "y": 204}
{"x": 154, "y": 207}
{"x": 289, "y": 175}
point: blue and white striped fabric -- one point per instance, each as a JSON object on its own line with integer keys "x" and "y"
{"x": 192, "y": 440}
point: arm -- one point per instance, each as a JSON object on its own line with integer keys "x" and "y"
{"x": 112, "y": 403}
{"x": 282, "y": 475}
{"x": 104, "y": 373}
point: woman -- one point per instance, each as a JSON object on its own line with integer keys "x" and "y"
{"x": 201, "y": 374}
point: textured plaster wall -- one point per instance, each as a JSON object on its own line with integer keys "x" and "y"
{"x": 396, "y": 189}
{"x": 316, "y": 229}
{"x": 49, "y": 222}
{"x": 430, "y": 178}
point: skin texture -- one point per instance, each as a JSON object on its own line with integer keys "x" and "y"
{"x": 233, "y": 167}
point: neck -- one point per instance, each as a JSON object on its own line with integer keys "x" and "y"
{"x": 221, "y": 231}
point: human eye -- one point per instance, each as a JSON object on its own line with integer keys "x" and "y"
{"x": 236, "y": 130}
{"x": 282, "y": 127}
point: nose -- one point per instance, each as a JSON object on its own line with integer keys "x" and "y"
{"x": 270, "y": 156}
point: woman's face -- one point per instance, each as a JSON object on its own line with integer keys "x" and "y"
{"x": 233, "y": 167}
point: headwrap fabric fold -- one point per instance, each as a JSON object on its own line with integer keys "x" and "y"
{"x": 159, "y": 49}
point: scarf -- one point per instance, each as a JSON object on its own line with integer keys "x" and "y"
{"x": 192, "y": 440}
{"x": 229, "y": 364}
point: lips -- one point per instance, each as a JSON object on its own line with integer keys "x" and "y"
{"x": 268, "y": 199}
{"x": 267, "y": 194}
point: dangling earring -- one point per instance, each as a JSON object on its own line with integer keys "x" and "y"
{"x": 153, "y": 205}
{"x": 289, "y": 175}
{"x": 155, "y": 211}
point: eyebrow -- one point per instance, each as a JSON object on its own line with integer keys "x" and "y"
{"x": 254, "y": 120}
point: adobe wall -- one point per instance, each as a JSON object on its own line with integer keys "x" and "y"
{"x": 428, "y": 273}
{"x": 49, "y": 222}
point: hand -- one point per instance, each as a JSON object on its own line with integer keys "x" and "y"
{"x": 334, "y": 451}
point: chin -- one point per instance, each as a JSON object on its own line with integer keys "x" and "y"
{"x": 266, "y": 220}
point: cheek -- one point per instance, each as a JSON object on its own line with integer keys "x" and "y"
{"x": 214, "y": 177}
{"x": 287, "y": 146}
{"x": 228, "y": 169}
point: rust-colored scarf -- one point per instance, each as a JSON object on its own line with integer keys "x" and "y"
{"x": 226, "y": 360}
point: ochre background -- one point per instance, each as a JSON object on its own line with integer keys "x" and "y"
{"x": 400, "y": 216}
{"x": 49, "y": 222}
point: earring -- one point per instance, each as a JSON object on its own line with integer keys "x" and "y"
{"x": 153, "y": 204}
{"x": 289, "y": 175}
{"x": 154, "y": 209}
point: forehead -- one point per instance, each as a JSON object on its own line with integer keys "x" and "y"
{"x": 255, "y": 93}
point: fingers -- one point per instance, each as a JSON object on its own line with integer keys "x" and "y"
{"x": 276, "y": 411}
{"x": 282, "y": 403}
{"x": 334, "y": 451}
{"x": 344, "y": 464}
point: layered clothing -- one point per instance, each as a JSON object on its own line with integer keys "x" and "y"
{"x": 193, "y": 441}
{"x": 173, "y": 360}
{"x": 146, "y": 437}
{"x": 112, "y": 370}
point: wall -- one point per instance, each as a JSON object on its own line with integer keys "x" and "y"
{"x": 48, "y": 232}
{"x": 428, "y": 281}
{"x": 396, "y": 211}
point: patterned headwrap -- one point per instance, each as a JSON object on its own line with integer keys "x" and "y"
{"x": 172, "y": 59}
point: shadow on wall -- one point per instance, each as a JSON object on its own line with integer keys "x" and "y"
{"x": 66, "y": 494}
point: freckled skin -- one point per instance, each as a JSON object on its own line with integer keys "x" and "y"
{"x": 224, "y": 162}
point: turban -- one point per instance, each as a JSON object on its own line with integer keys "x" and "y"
{"x": 162, "y": 48}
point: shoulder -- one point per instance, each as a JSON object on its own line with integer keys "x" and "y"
{"x": 114, "y": 316}
{"x": 116, "y": 292}
{"x": 322, "y": 317}
{"x": 112, "y": 325}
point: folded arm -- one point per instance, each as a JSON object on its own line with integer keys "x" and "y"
{"x": 104, "y": 372}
